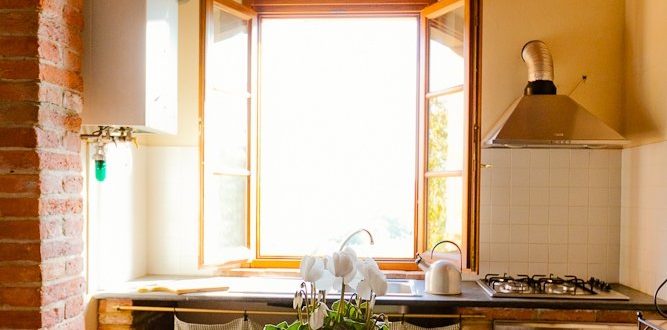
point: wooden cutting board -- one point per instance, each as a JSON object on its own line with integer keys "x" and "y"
{"x": 185, "y": 286}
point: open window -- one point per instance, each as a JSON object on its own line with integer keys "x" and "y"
{"x": 348, "y": 116}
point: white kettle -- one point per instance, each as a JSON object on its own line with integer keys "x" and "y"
{"x": 442, "y": 276}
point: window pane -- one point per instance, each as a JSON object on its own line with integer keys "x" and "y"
{"x": 446, "y": 67}
{"x": 227, "y": 65}
{"x": 445, "y": 132}
{"x": 224, "y": 218}
{"x": 226, "y": 131}
{"x": 226, "y": 116}
{"x": 444, "y": 210}
{"x": 337, "y": 134}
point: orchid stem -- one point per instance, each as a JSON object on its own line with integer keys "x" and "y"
{"x": 341, "y": 302}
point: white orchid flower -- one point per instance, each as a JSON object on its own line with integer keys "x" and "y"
{"x": 298, "y": 300}
{"x": 316, "y": 320}
{"x": 364, "y": 266}
{"x": 344, "y": 264}
{"x": 374, "y": 281}
{"x": 311, "y": 268}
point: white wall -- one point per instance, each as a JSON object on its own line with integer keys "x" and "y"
{"x": 645, "y": 113}
{"x": 551, "y": 211}
{"x": 644, "y": 217}
{"x": 173, "y": 210}
{"x": 117, "y": 217}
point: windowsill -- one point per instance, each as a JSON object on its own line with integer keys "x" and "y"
{"x": 290, "y": 272}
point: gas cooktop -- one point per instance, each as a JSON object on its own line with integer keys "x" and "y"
{"x": 548, "y": 287}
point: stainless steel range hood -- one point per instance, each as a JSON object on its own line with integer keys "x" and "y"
{"x": 542, "y": 119}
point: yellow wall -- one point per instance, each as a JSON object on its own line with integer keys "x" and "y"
{"x": 585, "y": 37}
{"x": 645, "y": 115}
{"x": 188, "y": 79}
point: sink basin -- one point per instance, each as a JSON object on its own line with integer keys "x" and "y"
{"x": 404, "y": 288}
{"x": 401, "y": 288}
{"x": 398, "y": 287}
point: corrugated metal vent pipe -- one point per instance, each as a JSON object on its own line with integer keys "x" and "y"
{"x": 540, "y": 68}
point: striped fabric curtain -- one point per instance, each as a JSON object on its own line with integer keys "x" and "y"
{"x": 408, "y": 326}
{"x": 237, "y": 324}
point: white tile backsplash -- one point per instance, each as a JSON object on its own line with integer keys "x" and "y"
{"x": 551, "y": 211}
{"x": 643, "y": 227}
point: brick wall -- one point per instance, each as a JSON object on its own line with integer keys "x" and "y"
{"x": 41, "y": 264}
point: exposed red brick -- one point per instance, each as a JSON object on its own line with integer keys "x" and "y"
{"x": 71, "y": 60}
{"x": 53, "y": 184}
{"x": 52, "y": 94}
{"x": 19, "y": 183}
{"x": 18, "y": 46}
{"x": 73, "y": 226}
{"x": 73, "y": 17}
{"x": 19, "y": 4}
{"x": 20, "y": 273}
{"x": 109, "y": 305}
{"x": 53, "y": 316}
{"x": 61, "y": 249}
{"x": 54, "y": 30}
{"x": 48, "y": 138}
{"x": 73, "y": 306}
{"x": 52, "y": 116}
{"x": 18, "y": 113}
{"x": 20, "y": 319}
{"x": 54, "y": 161}
{"x": 52, "y": 228}
{"x": 22, "y": 137}
{"x": 73, "y": 101}
{"x": 74, "y": 266}
{"x": 49, "y": 51}
{"x": 63, "y": 290}
{"x": 12, "y": 160}
{"x": 19, "y": 69}
{"x": 24, "y": 229}
{"x": 49, "y": 206}
{"x": 19, "y": 207}
{"x": 115, "y": 318}
{"x": 20, "y": 297}
{"x": 60, "y": 77}
{"x": 74, "y": 323}
{"x": 40, "y": 102}
{"x": 52, "y": 270}
{"x": 20, "y": 251}
{"x": 71, "y": 142}
{"x": 18, "y": 22}
{"x": 19, "y": 91}
{"x": 52, "y": 8}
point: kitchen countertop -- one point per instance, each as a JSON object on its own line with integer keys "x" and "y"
{"x": 279, "y": 292}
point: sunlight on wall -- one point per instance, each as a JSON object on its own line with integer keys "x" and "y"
{"x": 117, "y": 218}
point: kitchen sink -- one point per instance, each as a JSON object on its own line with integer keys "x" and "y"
{"x": 404, "y": 288}
{"x": 395, "y": 287}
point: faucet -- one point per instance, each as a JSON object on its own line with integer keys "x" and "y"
{"x": 354, "y": 233}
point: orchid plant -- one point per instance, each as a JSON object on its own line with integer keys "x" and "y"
{"x": 342, "y": 269}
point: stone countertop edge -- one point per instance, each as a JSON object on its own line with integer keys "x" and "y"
{"x": 472, "y": 296}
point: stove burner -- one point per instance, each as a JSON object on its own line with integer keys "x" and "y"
{"x": 542, "y": 286}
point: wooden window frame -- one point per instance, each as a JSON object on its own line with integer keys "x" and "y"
{"x": 387, "y": 8}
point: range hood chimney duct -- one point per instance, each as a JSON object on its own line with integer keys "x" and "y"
{"x": 540, "y": 69}
{"x": 542, "y": 119}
